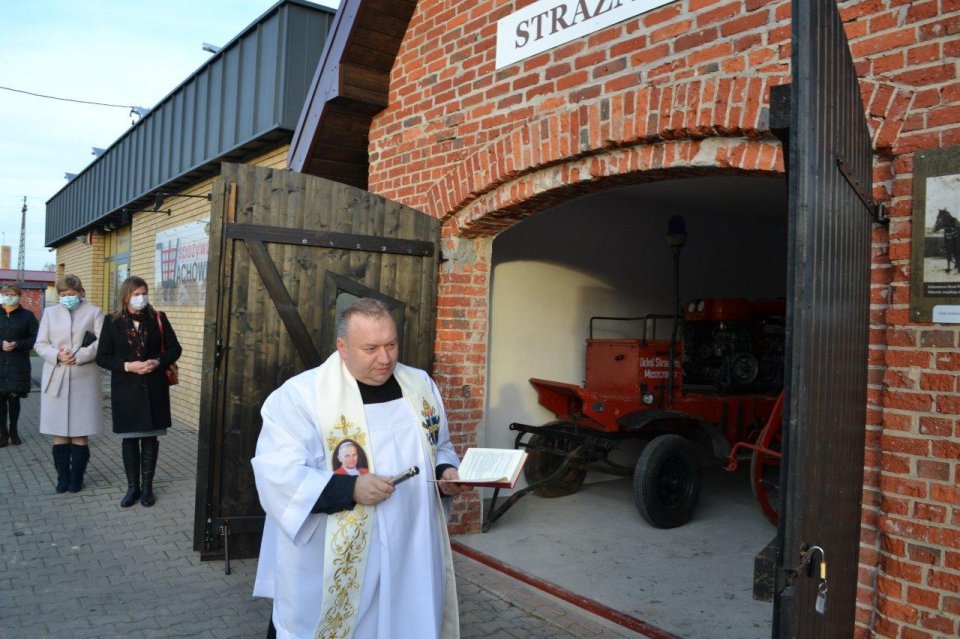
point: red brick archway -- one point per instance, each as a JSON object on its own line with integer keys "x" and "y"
{"x": 703, "y": 123}
{"x": 538, "y": 188}
{"x": 521, "y": 184}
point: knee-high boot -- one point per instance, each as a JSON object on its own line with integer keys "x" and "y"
{"x": 4, "y": 434}
{"x": 131, "y": 467}
{"x": 14, "y": 413}
{"x": 149, "y": 448}
{"x": 61, "y": 461}
{"x": 79, "y": 456}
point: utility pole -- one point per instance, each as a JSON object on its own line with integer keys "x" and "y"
{"x": 22, "y": 259}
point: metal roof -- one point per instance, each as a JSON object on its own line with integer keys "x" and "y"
{"x": 12, "y": 275}
{"x": 245, "y": 98}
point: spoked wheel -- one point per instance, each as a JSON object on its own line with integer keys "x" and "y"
{"x": 546, "y": 455}
{"x": 666, "y": 481}
{"x": 765, "y": 464}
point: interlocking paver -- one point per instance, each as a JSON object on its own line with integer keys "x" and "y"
{"x": 80, "y": 566}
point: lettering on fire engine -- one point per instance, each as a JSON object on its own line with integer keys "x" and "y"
{"x": 655, "y": 367}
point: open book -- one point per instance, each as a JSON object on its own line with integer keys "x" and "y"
{"x": 490, "y": 467}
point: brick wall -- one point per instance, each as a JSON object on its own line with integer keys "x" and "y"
{"x": 83, "y": 260}
{"x": 906, "y": 55}
{"x": 32, "y": 299}
{"x": 681, "y": 91}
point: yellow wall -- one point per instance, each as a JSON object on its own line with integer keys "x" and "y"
{"x": 187, "y": 321}
{"x": 84, "y": 261}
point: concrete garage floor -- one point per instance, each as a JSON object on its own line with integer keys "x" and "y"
{"x": 694, "y": 581}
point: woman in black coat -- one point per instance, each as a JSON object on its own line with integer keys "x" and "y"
{"x": 18, "y": 332}
{"x": 138, "y": 345}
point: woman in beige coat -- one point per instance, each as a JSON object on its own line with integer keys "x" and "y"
{"x": 71, "y": 394}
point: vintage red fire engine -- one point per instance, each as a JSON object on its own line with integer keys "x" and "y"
{"x": 721, "y": 398}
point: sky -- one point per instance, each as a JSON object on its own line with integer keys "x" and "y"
{"x": 130, "y": 53}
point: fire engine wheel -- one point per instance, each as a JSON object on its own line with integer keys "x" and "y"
{"x": 541, "y": 464}
{"x": 666, "y": 481}
{"x": 765, "y": 472}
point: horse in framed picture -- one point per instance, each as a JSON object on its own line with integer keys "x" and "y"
{"x": 951, "y": 237}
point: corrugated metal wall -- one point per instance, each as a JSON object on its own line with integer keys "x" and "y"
{"x": 253, "y": 89}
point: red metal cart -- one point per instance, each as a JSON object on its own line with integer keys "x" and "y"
{"x": 723, "y": 400}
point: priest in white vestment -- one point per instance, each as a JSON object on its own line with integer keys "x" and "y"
{"x": 353, "y": 555}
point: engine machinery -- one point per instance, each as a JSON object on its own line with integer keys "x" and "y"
{"x": 734, "y": 345}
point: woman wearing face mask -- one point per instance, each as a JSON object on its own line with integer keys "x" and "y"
{"x": 18, "y": 332}
{"x": 71, "y": 395}
{"x": 137, "y": 346}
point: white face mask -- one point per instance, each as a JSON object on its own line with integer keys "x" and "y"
{"x": 9, "y": 300}
{"x": 138, "y": 302}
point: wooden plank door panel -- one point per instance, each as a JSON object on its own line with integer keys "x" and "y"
{"x": 282, "y": 251}
{"x": 828, "y": 321}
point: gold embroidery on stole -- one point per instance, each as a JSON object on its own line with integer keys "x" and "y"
{"x": 348, "y": 545}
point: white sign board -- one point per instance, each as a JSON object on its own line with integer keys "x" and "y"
{"x": 180, "y": 264}
{"x": 946, "y": 314}
{"x": 546, "y": 24}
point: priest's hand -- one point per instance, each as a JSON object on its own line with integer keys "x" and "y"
{"x": 452, "y": 490}
{"x": 371, "y": 489}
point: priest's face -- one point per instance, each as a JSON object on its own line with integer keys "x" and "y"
{"x": 369, "y": 348}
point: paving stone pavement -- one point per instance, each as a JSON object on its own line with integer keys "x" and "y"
{"x": 79, "y": 566}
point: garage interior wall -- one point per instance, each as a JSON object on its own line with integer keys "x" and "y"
{"x": 606, "y": 254}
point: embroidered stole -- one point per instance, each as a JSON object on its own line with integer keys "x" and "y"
{"x": 347, "y": 533}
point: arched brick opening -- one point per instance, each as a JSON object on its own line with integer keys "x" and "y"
{"x": 538, "y": 188}
{"x": 464, "y": 288}
{"x": 707, "y": 123}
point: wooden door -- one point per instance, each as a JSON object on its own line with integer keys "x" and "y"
{"x": 285, "y": 249}
{"x": 829, "y": 176}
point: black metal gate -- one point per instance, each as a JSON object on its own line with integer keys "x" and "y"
{"x": 285, "y": 249}
{"x": 830, "y": 211}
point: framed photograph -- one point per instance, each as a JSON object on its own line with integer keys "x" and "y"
{"x": 935, "y": 263}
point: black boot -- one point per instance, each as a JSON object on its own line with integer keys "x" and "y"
{"x": 4, "y": 434}
{"x": 79, "y": 456}
{"x": 61, "y": 461}
{"x": 14, "y": 412}
{"x": 131, "y": 467}
{"x": 149, "y": 448}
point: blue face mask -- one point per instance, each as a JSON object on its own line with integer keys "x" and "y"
{"x": 70, "y": 301}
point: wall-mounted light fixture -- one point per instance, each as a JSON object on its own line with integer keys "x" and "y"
{"x": 211, "y": 48}
{"x": 69, "y": 176}
{"x": 160, "y": 197}
{"x": 97, "y": 151}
